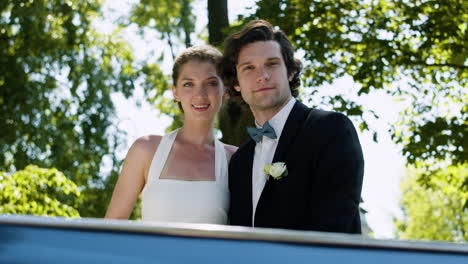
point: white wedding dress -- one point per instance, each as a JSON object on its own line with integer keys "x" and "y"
{"x": 172, "y": 200}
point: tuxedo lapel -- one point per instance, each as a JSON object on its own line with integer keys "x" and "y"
{"x": 292, "y": 126}
{"x": 245, "y": 176}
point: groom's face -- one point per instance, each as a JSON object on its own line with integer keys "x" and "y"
{"x": 262, "y": 76}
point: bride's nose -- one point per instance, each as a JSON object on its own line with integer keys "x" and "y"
{"x": 201, "y": 92}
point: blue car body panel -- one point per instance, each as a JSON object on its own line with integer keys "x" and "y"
{"x": 28, "y": 239}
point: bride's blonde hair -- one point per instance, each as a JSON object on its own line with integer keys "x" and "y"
{"x": 204, "y": 53}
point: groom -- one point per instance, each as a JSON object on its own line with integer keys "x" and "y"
{"x": 319, "y": 185}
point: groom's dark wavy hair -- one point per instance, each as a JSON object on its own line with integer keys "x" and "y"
{"x": 257, "y": 30}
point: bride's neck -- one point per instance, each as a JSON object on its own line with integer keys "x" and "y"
{"x": 197, "y": 134}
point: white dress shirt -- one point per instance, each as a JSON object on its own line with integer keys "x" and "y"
{"x": 264, "y": 152}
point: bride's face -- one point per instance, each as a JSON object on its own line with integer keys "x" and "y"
{"x": 199, "y": 90}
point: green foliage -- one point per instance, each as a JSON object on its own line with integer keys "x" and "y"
{"x": 157, "y": 88}
{"x": 169, "y": 18}
{"x": 56, "y": 78}
{"x": 435, "y": 208}
{"x": 414, "y": 50}
{"x": 175, "y": 23}
{"x": 38, "y": 191}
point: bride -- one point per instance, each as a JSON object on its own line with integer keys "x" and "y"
{"x": 182, "y": 176}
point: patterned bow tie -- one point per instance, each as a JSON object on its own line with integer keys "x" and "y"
{"x": 257, "y": 133}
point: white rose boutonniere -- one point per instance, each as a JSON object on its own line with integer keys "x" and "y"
{"x": 276, "y": 170}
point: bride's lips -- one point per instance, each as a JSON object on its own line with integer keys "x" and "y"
{"x": 200, "y": 107}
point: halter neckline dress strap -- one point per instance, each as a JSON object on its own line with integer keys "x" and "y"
{"x": 181, "y": 200}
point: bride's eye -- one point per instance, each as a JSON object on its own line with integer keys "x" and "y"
{"x": 213, "y": 83}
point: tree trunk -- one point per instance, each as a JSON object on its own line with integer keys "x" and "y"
{"x": 233, "y": 118}
{"x": 233, "y": 122}
{"x": 186, "y": 12}
{"x": 217, "y": 21}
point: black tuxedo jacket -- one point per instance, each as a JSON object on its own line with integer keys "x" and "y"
{"x": 323, "y": 187}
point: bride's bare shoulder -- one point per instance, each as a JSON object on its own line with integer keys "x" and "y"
{"x": 146, "y": 144}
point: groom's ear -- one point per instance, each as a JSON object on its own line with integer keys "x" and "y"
{"x": 174, "y": 93}
{"x": 291, "y": 76}
{"x": 237, "y": 88}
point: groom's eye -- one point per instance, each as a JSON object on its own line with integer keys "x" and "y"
{"x": 187, "y": 84}
{"x": 246, "y": 68}
{"x": 273, "y": 62}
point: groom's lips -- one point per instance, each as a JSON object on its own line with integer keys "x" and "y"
{"x": 262, "y": 89}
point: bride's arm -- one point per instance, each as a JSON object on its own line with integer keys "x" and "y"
{"x": 132, "y": 177}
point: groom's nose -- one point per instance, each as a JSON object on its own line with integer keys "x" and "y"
{"x": 262, "y": 74}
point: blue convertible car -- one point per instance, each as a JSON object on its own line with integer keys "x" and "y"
{"x": 32, "y": 239}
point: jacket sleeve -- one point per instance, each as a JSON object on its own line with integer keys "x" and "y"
{"x": 338, "y": 175}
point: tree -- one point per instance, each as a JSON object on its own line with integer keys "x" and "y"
{"x": 436, "y": 209}
{"x": 175, "y": 23}
{"x": 217, "y": 21}
{"x": 38, "y": 191}
{"x": 414, "y": 50}
{"x": 56, "y": 78}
